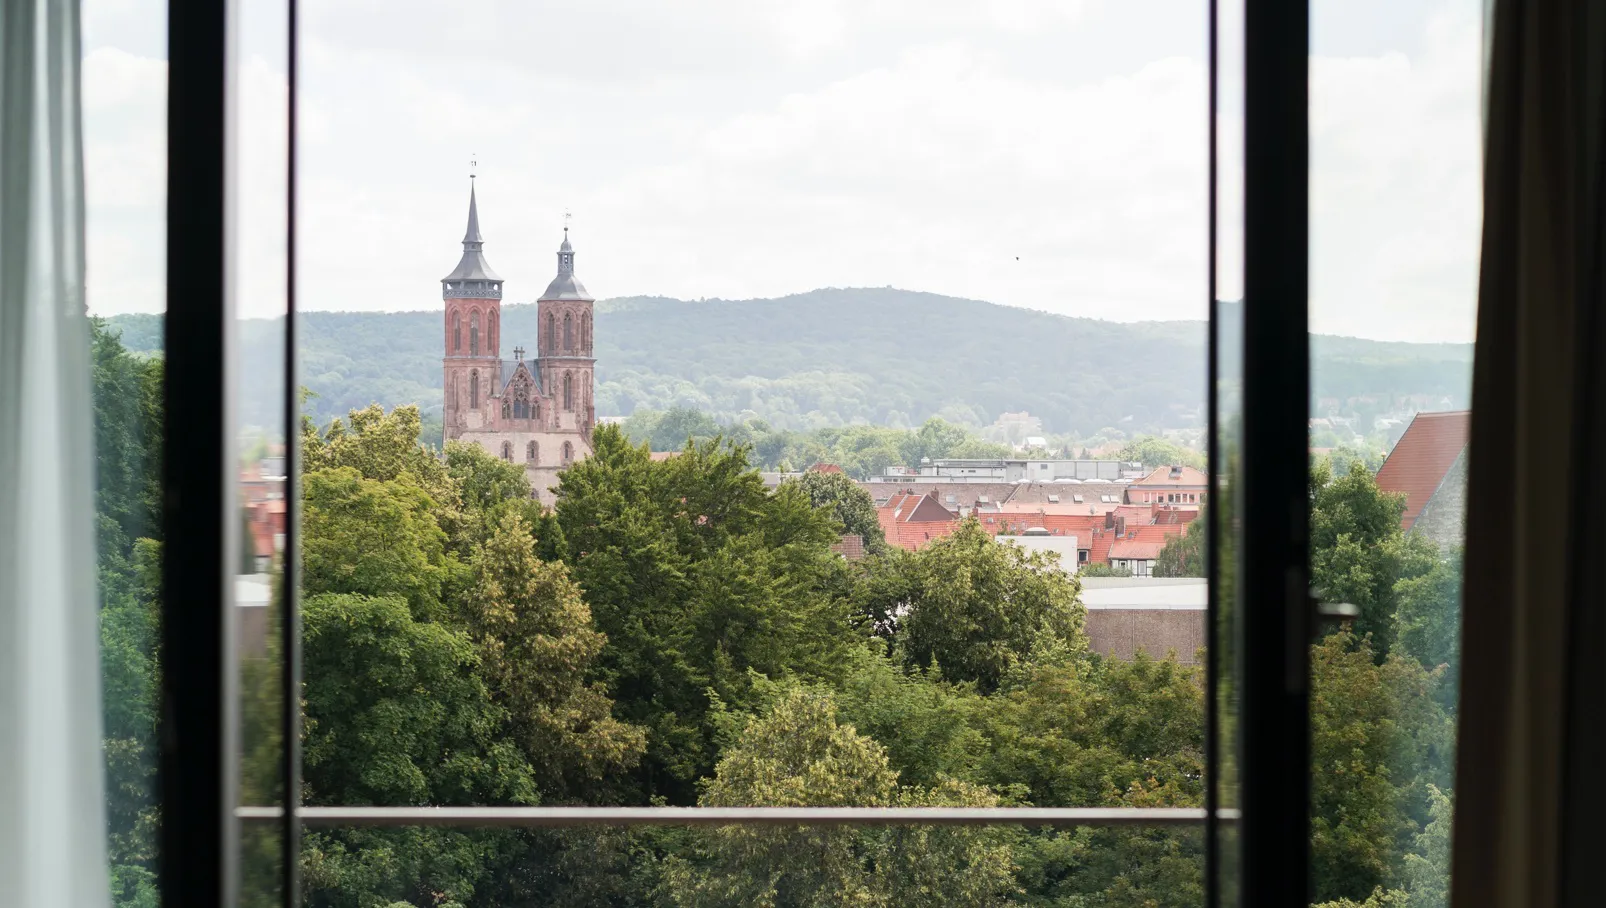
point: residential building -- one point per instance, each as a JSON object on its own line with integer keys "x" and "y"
{"x": 1174, "y": 484}
{"x": 1010, "y": 470}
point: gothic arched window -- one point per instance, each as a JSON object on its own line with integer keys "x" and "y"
{"x": 490, "y": 330}
{"x": 507, "y": 451}
{"x": 568, "y": 390}
{"x": 457, "y": 332}
{"x": 506, "y": 412}
{"x": 568, "y": 333}
{"x": 585, "y": 333}
{"x": 474, "y": 334}
{"x": 473, "y": 390}
{"x": 551, "y": 333}
{"x": 531, "y": 452}
{"x": 568, "y": 453}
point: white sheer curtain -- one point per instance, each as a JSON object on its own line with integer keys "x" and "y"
{"x": 52, "y": 824}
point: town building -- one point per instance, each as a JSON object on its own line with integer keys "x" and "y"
{"x": 1170, "y": 485}
{"x": 1157, "y": 616}
{"x": 537, "y": 410}
{"x": 1009, "y": 470}
{"x": 1428, "y": 465}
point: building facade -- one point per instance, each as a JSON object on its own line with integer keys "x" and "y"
{"x": 536, "y": 411}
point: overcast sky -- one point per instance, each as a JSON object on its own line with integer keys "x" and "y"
{"x": 1039, "y": 153}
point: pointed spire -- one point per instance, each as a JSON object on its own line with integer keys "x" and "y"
{"x": 473, "y": 277}
{"x": 473, "y": 234}
{"x": 565, "y": 286}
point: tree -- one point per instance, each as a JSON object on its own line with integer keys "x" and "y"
{"x": 372, "y": 538}
{"x": 384, "y": 447}
{"x": 535, "y": 635}
{"x": 1429, "y": 621}
{"x": 1184, "y": 555}
{"x": 397, "y": 714}
{"x": 1155, "y": 452}
{"x": 700, "y": 579}
{"x": 1380, "y": 743}
{"x": 1358, "y": 551}
{"x": 847, "y": 503}
{"x": 975, "y": 607}
{"x": 797, "y": 754}
{"x": 1104, "y": 569}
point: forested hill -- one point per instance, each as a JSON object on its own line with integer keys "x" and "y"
{"x": 832, "y": 357}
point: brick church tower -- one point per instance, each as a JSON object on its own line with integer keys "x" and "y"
{"x": 566, "y": 359}
{"x": 537, "y": 412}
{"x": 473, "y": 295}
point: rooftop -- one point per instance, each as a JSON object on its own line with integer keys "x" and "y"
{"x": 1422, "y": 457}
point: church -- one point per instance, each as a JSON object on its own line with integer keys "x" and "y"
{"x": 534, "y": 411}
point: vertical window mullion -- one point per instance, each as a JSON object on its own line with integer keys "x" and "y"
{"x": 1275, "y": 833}
{"x": 197, "y": 769}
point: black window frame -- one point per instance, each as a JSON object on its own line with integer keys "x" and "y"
{"x": 198, "y": 784}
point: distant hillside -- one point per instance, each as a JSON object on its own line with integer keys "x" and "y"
{"x": 832, "y": 357}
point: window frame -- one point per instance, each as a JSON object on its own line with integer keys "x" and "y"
{"x": 198, "y": 776}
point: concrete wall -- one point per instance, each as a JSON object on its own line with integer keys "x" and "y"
{"x": 1122, "y": 632}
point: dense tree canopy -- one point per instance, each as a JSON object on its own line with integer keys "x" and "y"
{"x": 673, "y": 632}
{"x": 974, "y": 607}
{"x": 847, "y": 502}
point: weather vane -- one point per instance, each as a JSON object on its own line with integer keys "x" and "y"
{"x": 472, "y": 163}
{"x": 566, "y": 216}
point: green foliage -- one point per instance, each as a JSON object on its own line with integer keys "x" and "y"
{"x": 698, "y": 577}
{"x": 1104, "y": 569}
{"x": 1085, "y": 733}
{"x": 976, "y": 607}
{"x": 1184, "y": 555}
{"x": 848, "y": 504}
{"x": 534, "y": 633}
{"x": 397, "y": 712}
{"x": 1359, "y": 553}
{"x": 127, "y": 396}
{"x": 788, "y": 361}
{"x": 1155, "y": 452}
{"x": 1381, "y": 748}
{"x": 797, "y": 754}
{"x": 1429, "y": 621}
{"x": 374, "y": 538}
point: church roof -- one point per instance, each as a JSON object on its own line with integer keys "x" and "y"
{"x": 472, "y": 266}
{"x": 566, "y": 286}
{"x": 510, "y": 366}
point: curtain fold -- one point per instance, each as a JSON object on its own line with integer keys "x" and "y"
{"x": 52, "y": 822}
{"x": 1531, "y": 598}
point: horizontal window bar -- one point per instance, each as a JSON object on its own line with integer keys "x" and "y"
{"x": 729, "y": 816}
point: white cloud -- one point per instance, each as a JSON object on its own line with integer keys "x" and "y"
{"x": 757, "y": 149}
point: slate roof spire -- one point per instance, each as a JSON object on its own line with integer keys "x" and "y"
{"x": 566, "y": 286}
{"x": 473, "y": 276}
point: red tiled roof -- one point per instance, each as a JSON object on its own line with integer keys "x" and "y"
{"x": 1422, "y": 457}
{"x": 825, "y": 468}
{"x": 1136, "y": 549}
{"x": 850, "y": 546}
{"x": 910, "y": 520}
{"x": 914, "y": 535}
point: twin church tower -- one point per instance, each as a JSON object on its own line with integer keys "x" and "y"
{"x": 534, "y": 411}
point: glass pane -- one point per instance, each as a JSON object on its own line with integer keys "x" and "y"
{"x": 738, "y": 866}
{"x": 1225, "y": 455}
{"x": 124, "y": 111}
{"x": 260, "y": 181}
{"x": 569, "y": 543}
{"x": 1396, "y": 94}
